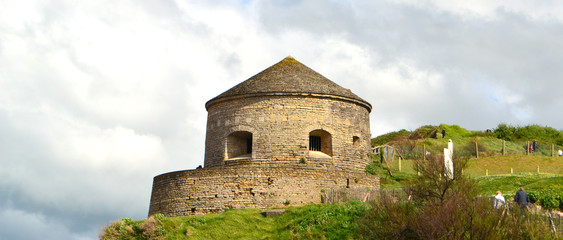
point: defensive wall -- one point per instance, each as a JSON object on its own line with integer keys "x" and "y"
{"x": 202, "y": 191}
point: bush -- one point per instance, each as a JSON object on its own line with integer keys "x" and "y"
{"x": 389, "y": 137}
{"x": 550, "y": 202}
{"x": 427, "y": 131}
{"x": 151, "y": 228}
{"x": 444, "y": 208}
{"x": 534, "y": 196}
{"x": 546, "y": 135}
{"x": 547, "y": 199}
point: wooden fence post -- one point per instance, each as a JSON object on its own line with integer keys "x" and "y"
{"x": 400, "y": 163}
{"x": 476, "y": 149}
{"x": 393, "y": 156}
{"x": 503, "y": 147}
{"x": 552, "y": 150}
{"x": 527, "y": 147}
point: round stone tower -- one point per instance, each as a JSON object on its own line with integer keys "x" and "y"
{"x": 286, "y": 115}
{"x": 286, "y": 136}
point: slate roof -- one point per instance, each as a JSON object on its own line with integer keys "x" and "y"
{"x": 289, "y": 77}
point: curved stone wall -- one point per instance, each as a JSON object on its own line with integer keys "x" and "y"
{"x": 280, "y": 125}
{"x": 204, "y": 191}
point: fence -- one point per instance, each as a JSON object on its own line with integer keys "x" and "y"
{"x": 474, "y": 148}
{"x": 399, "y": 158}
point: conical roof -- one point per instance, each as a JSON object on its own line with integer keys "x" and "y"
{"x": 289, "y": 77}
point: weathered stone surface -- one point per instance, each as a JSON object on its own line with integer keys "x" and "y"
{"x": 273, "y": 212}
{"x": 257, "y": 147}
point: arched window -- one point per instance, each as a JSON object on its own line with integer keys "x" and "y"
{"x": 239, "y": 145}
{"x": 320, "y": 141}
{"x": 356, "y": 141}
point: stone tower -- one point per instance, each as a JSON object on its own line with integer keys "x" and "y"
{"x": 284, "y": 136}
{"x": 283, "y": 114}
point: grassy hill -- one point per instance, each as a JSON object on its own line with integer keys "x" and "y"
{"x": 356, "y": 220}
{"x": 489, "y": 143}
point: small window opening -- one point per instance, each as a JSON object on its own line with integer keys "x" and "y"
{"x": 320, "y": 141}
{"x": 239, "y": 145}
{"x": 193, "y": 210}
{"x": 356, "y": 141}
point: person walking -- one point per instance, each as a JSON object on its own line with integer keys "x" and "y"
{"x": 522, "y": 198}
{"x": 499, "y": 200}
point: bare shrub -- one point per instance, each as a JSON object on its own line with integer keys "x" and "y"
{"x": 117, "y": 230}
{"x": 445, "y": 208}
{"x": 389, "y": 219}
{"x": 151, "y": 229}
{"x": 432, "y": 185}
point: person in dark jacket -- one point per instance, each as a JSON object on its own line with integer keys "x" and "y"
{"x": 522, "y": 198}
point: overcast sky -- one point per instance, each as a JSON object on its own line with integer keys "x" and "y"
{"x": 98, "y": 97}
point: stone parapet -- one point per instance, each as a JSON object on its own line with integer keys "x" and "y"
{"x": 205, "y": 190}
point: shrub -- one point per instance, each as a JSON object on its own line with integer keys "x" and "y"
{"x": 534, "y": 196}
{"x": 389, "y": 137}
{"x": 445, "y": 208}
{"x": 546, "y": 135}
{"x": 151, "y": 228}
{"x": 427, "y": 131}
{"x": 549, "y": 201}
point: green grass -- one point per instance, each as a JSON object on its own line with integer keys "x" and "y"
{"x": 495, "y": 165}
{"x": 519, "y": 164}
{"x": 320, "y": 221}
{"x": 231, "y": 224}
{"x": 489, "y": 143}
{"x": 315, "y": 221}
{"x": 509, "y": 184}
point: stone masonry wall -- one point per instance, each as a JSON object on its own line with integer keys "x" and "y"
{"x": 280, "y": 127}
{"x": 206, "y": 190}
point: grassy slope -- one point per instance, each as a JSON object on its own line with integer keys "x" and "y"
{"x": 509, "y": 184}
{"x": 498, "y": 165}
{"x": 338, "y": 221}
{"x": 519, "y": 164}
{"x": 524, "y": 169}
{"x": 316, "y": 221}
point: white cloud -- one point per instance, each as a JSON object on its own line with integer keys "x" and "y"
{"x": 96, "y": 98}
{"x": 17, "y": 224}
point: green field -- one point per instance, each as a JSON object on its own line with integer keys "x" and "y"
{"x": 496, "y": 165}
{"x": 509, "y": 184}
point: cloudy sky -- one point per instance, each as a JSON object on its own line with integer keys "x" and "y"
{"x": 98, "y": 97}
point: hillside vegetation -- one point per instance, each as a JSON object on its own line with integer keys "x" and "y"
{"x": 445, "y": 208}
{"x": 488, "y": 142}
{"x": 539, "y": 172}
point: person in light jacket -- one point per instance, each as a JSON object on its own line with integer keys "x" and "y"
{"x": 499, "y": 200}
